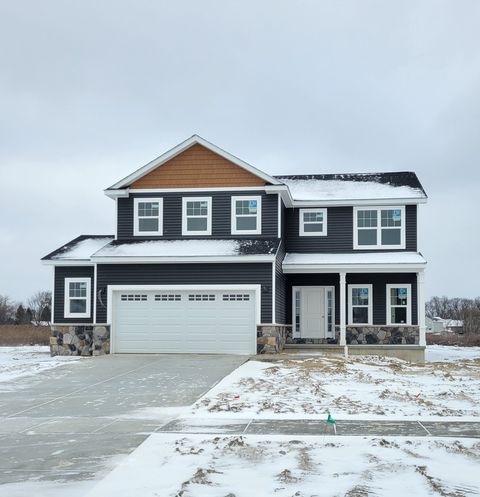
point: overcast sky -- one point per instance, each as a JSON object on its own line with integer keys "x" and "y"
{"x": 92, "y": 90}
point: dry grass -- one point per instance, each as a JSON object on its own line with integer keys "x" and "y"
{"x": 468, "y": 340}
{"x": 11, "y": 335}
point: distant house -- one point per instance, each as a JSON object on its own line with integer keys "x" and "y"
{"x": 211, "y": 255}
{"x": 439, "y": 325}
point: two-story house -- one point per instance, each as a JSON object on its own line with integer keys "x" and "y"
{"x": 212, "y": 255}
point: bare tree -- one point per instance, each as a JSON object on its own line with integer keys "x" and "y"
{"x": 456, "y": 309}
{"x": 7, "y": 310}
{"x": 40, "y": 305}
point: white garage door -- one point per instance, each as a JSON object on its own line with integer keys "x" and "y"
{"x": 184, "y": 321}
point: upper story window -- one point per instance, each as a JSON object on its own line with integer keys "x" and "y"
{"x": 148, "y": 216}
{"x": 399, "y": 304}
{"x": 313, "y": 222}
{"x": 246, "y": 215}
{"x": 77, "y": 298}
{"x": 360, "y": 304}
{"x": 379, "y": 228}
{"x": 197, "y": 216}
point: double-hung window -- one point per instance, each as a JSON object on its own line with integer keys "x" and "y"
{"x": 313, "y": 222}
{"x": 246, "y": 215}
{"x": 77, "y": 298}
{"x": 399, "y": 306}
{"x": 360, "y": 300}
{"x": 197, "y": 216}
{"x": 379, "y": 227}
{"x": 148, "y": 216}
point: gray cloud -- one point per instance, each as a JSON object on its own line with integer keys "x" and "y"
{"x": 89, "y": 91}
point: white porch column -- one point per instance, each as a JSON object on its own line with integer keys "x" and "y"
{"x": 343, "y": 323}
{"x": 421, "y": 307}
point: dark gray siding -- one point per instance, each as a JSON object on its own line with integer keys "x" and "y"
{"x": 378, "y": 280}
{"x": 280, "y": 287}
{"x": 62, "y": 272}
{"x": 340, "y": 232}
{"x": 221, "y": 214}
{"x": 186, "y": 274}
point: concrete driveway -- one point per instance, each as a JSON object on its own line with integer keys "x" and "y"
{"x": 69, "y": 423}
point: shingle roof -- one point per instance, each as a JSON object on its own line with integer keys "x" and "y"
{"x": 80, "y": 248}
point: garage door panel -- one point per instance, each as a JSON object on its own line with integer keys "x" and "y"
{"x": 152, "y": 321}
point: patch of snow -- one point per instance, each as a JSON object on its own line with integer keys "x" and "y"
{"x": 47, "y": 488}
{"x": 19, "y": 362}
{"x": 363, "y": 387}
{"x": 171, "y": 248}
{"x": 355, "y": 259}
{"x": 254, "y": 465}
{"x": 438, "y": 353}
{"x": 83, "y": 249}
{"x": 317, "y": 189}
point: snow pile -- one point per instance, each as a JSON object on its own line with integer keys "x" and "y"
{"x": 19, "y": 362}
{"x": 364, "y": 387}
{"x": 83, "y": 249}
{"x": 253, "y": 465}
{"x": 171, "y": 248}
{"x": 318, "y": 189}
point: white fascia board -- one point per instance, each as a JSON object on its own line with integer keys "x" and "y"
{"x": 352, "y": 202}
{"x": 187, "y": 260}
{"x": 181, "y": 147}
{"x": 114, "y": 194}
{"x": 69, "y": 262}
{"x": 203, "y": 189}
{"x": 353, "y": 268}
{"x": 284, "y": 192}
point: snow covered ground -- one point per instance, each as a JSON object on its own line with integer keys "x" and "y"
{"x": 18, "y": 362}
{"x": 448, "y": 385}
{"x": 171, "y": 465}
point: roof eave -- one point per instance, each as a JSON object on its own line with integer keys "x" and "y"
{"x": 184, "y": 259}
{"x": 349, "y": 202}
{"x": 353, "y": 268}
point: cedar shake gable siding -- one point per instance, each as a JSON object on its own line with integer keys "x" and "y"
{"x": 197, "y": 167}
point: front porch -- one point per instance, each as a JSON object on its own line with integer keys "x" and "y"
{"x": 374, "y": 306}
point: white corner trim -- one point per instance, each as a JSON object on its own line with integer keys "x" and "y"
{"x": 279, "y": 213}
{"x": 52, "y": 317}
{"x": 379, "y": 228}
{"x": 369, "y": 307}
{"x": 408, "y": 286}
{"x": 258, "y": 216}
{"x": 185, "y": 231}
{"x": 181, "y": 147}
{"x": 274, "y": 289}
{"x": 301, "y": 222}
{"x": 67, "y": 298}
{"x": 95, "y": 293}
{"x": 136, "y": 216}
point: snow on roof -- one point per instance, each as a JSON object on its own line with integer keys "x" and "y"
{"x": 321, "y": 189}
{"x": 354, "y": 259}
{"x": 81, "y": 249}
{"x": 188, "y": 248}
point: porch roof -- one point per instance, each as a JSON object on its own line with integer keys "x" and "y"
{"x": 353, "y": 262}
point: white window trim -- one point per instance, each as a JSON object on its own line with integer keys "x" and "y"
{"x": 67, "y": 298}
{"x": 408, "y": 286}
{"x": 185, "y": 231}
{"x": 302, "y": 223}
{"x": 136, "y": 231}
{"x": 370, "y": 304}
{"x": 234, "y": 230}
{"x": 379, "y": 245}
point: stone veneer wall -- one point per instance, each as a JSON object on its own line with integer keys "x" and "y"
{"x": 383, "y": 335}
{"x": 85, "y": 340}
{"x": 271, "y": 338}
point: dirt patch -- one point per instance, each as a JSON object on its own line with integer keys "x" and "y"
{"x": 13, "y": 335}
{"x": 469, "y": 340}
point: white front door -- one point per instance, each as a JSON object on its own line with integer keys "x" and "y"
{"x": 312, "y": 312}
